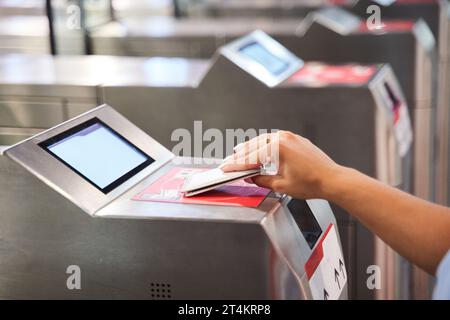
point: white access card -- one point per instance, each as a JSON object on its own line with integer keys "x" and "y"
{"x": 328, "y": 275}
{"x": 210, "y": 179}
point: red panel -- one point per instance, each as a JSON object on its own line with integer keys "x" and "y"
{"x": 388, "y": 26}
{"x": 316, "y": 257}
{"x": 321, "y": 74}
{"x": 167, "y": 189}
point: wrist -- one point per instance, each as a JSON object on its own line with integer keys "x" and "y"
{"x": 336, "y": 182}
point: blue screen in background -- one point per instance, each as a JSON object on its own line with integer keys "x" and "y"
{"x": 260, "y": 54}
{"x": 99, "y": 154}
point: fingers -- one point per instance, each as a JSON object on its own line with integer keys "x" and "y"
{"x": 271, "y": 182}
{"x": 256, "y": 152}
{"x": 238, "y": 166}
{"x": 252, "y": 144}
{"x": 274, "y": 183}
{"x": 243, "y": 161}
{"x": 249, "y": 180}
{"x": 260, "y": 141}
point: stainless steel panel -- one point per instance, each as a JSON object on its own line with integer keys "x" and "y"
{"x": 193, "y": 38}
{"x": 22, "y": 7}
{"x": 80, "y": 76}
{"x": 31, "y": 113}
{"x": 24, "y": 34}
{"x": 267, "y": 8}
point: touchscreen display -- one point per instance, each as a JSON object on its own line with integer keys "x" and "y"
{"x": 264, "y": 57}
{"x": 98, "y": 154}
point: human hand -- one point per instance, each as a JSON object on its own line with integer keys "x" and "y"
{"x": 303, "y": 169}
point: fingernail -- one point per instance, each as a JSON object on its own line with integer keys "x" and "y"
{"x": 223, "y": 165}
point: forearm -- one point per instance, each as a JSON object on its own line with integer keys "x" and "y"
{"x": 417, "y": 229}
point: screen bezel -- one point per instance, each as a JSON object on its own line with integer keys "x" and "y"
{"x": 116, "y": 183}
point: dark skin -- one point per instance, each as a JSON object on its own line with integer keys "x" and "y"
{"x": 417, "y": 229}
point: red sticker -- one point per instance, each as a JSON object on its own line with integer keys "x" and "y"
{"x": 319, "y": 74}
{"x": 317, "y": 255}
{"x": 167, "y": 189}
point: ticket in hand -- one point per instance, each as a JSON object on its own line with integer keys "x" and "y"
{"x": 208, "y": 180}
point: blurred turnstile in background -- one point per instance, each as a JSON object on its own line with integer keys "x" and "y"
{"x": 24, "y": 34}
{"x": 170, "y": 37}
{"x": 437, "y": 14}
{"x": 22, "y": 7}
{"x": 21, "y": 31}
{"x": 265, "y": 8}
{"x": 143, "y": 8}
{"x": 40, "y": 91}
{"x": 336, "y": 36}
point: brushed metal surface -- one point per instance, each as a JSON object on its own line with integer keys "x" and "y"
{"x": 22, "y": 8}
{"x": 252, "y": 8}
{"x": 170, "y": 37}
{"x": 24, "y": 34}
{"x": 41, "y": 91}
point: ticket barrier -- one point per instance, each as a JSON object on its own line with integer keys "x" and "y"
{"x": 355, "y": 113}
{"x": 164, "y": 89}
{"x": 24, "y": 34}
{"x": 40, "y": 91}
{"x": 22, "y": 8}
{"x": 171, "y": 37}
{"x": 437, "y": 15}
{"x": 337, "y": 36}
{"x": 266, "y": 8}
{"x": 104, "y": 225}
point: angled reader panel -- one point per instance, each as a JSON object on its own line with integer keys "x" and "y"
{"x": 91, "y": 159}
{"x": 262, "y": 57}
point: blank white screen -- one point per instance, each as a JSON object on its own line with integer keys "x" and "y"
{"x": 98, "y": 154}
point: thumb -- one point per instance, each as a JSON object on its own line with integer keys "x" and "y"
{"x": 270, "y": 182}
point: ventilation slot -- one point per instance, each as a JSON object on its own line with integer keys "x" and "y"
{"x": 161, "y": 291}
